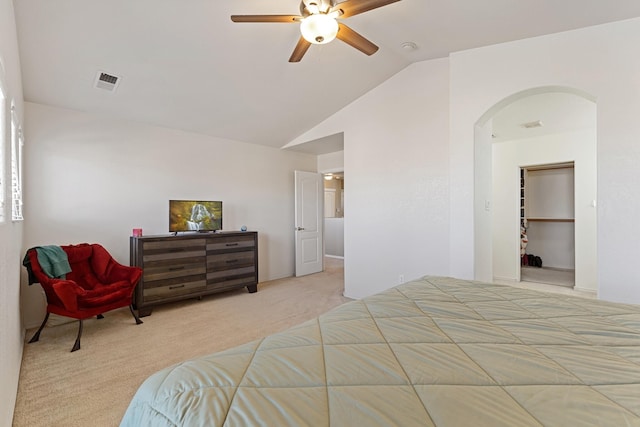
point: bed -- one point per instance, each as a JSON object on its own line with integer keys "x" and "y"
{"x": 433, "y": 352}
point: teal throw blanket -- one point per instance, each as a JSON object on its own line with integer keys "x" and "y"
{"x": 53, "y": 261}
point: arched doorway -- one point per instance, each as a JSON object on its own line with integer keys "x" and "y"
{"x": 566, "y": 133}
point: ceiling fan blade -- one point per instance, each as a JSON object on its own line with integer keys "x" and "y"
{"x": 300, "y": 49}
{"x": 354, "y": 39}
{"x": 291, "y": 19}
{"x": 355, "y": 7}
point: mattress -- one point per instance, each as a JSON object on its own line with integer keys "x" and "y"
{"x": 433, "y": 352}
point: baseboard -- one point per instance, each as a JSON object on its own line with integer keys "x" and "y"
{"x": 505, "y": 279}
{"x": 559, "y": 269}
{"x": 586, "y": 291}
{"x": 334, "y": 256}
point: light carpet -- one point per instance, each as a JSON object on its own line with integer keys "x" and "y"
{"x": 93, "y": 386}
{"x": 551, "y": 276}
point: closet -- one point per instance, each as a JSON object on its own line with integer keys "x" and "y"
{"x": 547, "y": 194}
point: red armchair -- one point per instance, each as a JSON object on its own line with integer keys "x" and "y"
{"x": 96, "y": 284}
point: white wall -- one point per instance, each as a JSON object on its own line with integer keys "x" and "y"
{"x": 554, "y": 243}
{"x": 93, "y": 179}
{"x": 550, "y": 193}
{"x": 334, "y": 237}
{"x": 331, "y": 162}
{"x": 597, "y": 60}
{"x": 11, "y": 331}
{"x": 508, "y": 157}
{"x": 483, "y": 204}
{"x": 396, "y": 171}
{"x": 333, "y": 227}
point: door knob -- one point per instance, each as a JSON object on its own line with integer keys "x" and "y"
{"x": 299, "y": 228}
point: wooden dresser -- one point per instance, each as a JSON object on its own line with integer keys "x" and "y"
{"x": 193, "y": 265}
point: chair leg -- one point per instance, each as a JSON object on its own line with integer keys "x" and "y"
{"x": 36, "y": 337}
{"x": 76, "y": 346}
{"x": 135, "y": 316}
{"x": 99, "y": 316}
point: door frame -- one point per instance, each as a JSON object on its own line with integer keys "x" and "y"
{"x": 309, "y": 222}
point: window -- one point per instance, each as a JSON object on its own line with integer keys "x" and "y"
{"x": 3, "y": 145}
{"x": 17, "y": 142}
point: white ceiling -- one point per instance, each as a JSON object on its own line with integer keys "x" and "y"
{"x": 557, "y": 112}
{"x": 183, "y": 64}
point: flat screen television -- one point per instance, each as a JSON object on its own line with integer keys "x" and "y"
{"x": 194, "y": 215}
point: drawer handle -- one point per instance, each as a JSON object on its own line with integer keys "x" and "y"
{"x": 231, "y": 261}
{"x": 232, "y": 244}
{"x": 176, "y": 287}
{"x": 176, "y": 268}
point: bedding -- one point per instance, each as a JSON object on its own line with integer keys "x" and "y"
{"x": 433, "y": 352}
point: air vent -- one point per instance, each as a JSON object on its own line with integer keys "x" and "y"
{"x": 106, "y": 81}
{"x": 530, "y": 125}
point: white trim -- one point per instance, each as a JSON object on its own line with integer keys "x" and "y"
{"x": 5, "y": 135}
{"x": 17, "y": 142}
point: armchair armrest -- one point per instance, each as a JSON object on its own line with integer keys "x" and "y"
{"x": 124, "y": 272}
{"x": 67, "y": 291}
{"x": 108, "y": 270}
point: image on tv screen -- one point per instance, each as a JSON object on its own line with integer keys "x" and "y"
{"x": 193, "y": 215}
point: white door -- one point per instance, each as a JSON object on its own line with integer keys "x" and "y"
{"x": 309, "y": 199}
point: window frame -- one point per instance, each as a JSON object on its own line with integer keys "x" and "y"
{"x": 17, "y": 143}
{"x": 3, "y": 148}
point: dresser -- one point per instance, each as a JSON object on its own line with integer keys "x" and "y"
{"x": 177, "y": 267}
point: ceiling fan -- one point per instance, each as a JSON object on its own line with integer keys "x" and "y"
{"x": 319, "y": 23}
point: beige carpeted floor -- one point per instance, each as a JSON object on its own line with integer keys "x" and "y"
{"x": 93, "y": 386}
{"x": 551, "y": 276}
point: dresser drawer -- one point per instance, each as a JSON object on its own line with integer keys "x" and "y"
{"x": 171, "y": 268}
{"x": 235, "y": 272}
{"x": 230, "y": 284}
{"x": 173, "y": 250}
{"x": 230, "y": 260}
{"x": 172, "y": 245}
{"x": 175, "y": 290}
{"x": 178, "y": 254}
{"x": 231, "y": 243}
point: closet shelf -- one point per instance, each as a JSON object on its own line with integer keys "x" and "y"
{"x": 540, "y": 219}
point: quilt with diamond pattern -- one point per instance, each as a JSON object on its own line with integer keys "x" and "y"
{"x": 433, "y": 352}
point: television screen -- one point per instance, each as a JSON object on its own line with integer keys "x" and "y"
{"x": 194, "y": 215}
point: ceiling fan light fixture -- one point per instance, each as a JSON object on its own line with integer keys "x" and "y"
{"x": 319, "y": 28}
{"x": 313, "y": 8}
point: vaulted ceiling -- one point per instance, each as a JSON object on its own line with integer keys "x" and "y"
{"x": 183, "y": 64}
